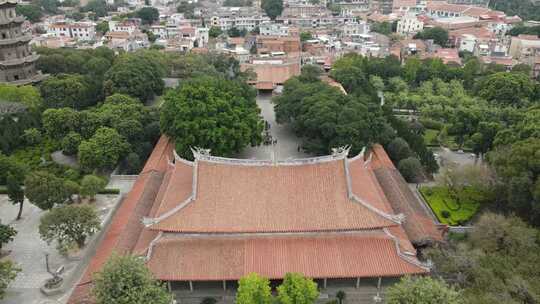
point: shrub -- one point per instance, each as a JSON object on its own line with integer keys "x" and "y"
{"x": 209, "y": 300}
{"x": 411, "y": 169}
{"x": 70, "y": 143}
{"x": 32, "y": 136}
{"x": 429, "y": 123}
{"x": 91, "y": 185}
{"x": 445, "y": 213}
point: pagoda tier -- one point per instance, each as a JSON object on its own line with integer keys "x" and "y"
{"x": 17, "y": 61}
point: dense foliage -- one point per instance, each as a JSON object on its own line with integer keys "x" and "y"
{"x": 325, "y": 118}
{"x": 437, "y": 34}
{"x": 126, "y": 280}
{"x": 8, "y": 273}
{"x": 69, "y": 224}
{"x": 273, "y": 8}
{"x": 526, "y": 9}
{"x": 253, "y": 289}
{"x": 497, "y": 263}
{"x": 7, "y": 233}
{"x": 422, "y": 290}
{"x": 211, "y": 113}
{"x": 136, "y": 74}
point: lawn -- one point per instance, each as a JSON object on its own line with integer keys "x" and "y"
{"x": 439, "y": 200}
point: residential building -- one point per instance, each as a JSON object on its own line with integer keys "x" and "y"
{"x": 273, "y": 29}
{"x": 409, "y": 24}
{"x": 350, "y": 29}
{"x": 129, "y": 26}
{"x": 75, "y": 30}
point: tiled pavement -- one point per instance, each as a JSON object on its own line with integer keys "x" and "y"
{"x": 28, "y": 251}
{"x": 287, "y": 143}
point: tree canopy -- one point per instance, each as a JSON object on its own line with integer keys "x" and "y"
{"x": 148, "y": 14}
{"x": 438, "y": 34}
{"x": 136, "y": 74}
{"x": 296, "y": 289}
{"x": 496, "y": 263}
{"x": 253, "y": 289}
{"x": 212, "y": 113}
{"x": 44, "y": 190}
{"x": 422, "y": 290}
{"x": 273, "y": 8}
{"x": 8, "y": 273}
{"x": 103, "y": 150}
{"x": 69, "y": 224}
{"x": 325, "y": 118}
{"x": 126, "y": 280}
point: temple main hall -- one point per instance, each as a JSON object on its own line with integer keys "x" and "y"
{"x": 218, "y": 219}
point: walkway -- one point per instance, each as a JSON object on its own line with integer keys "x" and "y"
{"x": 287, "y": 143}
{"x": 28, "y": 251}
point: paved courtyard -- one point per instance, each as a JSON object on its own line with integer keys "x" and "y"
{"x": 287, "y": 143}
{"x": 28, "y": 251}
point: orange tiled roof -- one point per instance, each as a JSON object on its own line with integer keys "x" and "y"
{"x": 418, "y": 225}
{"x": 122, "y": 233}
{"x": 232, "y": 198}
{"x": 369, "y": 254}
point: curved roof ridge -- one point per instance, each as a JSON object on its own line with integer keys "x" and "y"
{"x": 405, "y": 256}
{"x": 204, "y": 155}
{"x": 394, "y": 218}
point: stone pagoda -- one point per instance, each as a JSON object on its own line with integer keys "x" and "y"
{"x": 17, "y": 61}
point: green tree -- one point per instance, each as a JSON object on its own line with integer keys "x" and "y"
{"x": 15, "y": 191}
{"x": 103, "y": 150}
{"x": 31, "y": 12}
{"x": 27, "y": 95}
{"x": 212, "y": 113}
{"x": 138, "y": 75}
{"x": 272, "y": 8}
{"x": 72, "y": 188}
{"x": 8, "y": 273}
{"x": 59, "y": 122}
{"x": 44, "y": 189}
{"x": 65, "y": 91}
{"x": 148, "y": 14}
{"x": 71, "y": 142}
{"x": 411, "y": 169}
{"x": 7, "y": 233}
{"x": 186, "y": 8}
{"x": 253, "y": 289}
{"x": 422, "y": 290}
{"x": 96, "y": 7}
{"x": 69, "y": 224}
{"x": 398, "y": 149}
{"x": 384, "y": 27}
{"x": 438, "y": 34}
{"x": 126, "y": 280}
{"x": 296, "y": 289}
{"x": 518, "y": 167}
{"x": 32, "y": 136}
{"x": 214, "y": 31}
{"x": 496, "y": 261}
{"x": 102, "y": 27}
{"x": 91, "y": 185}
{"x": 133, "y": 163}
{"x": 341, "y": 295}
{"x": 305, "y": 36}
{"x": 506, "y": 88}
